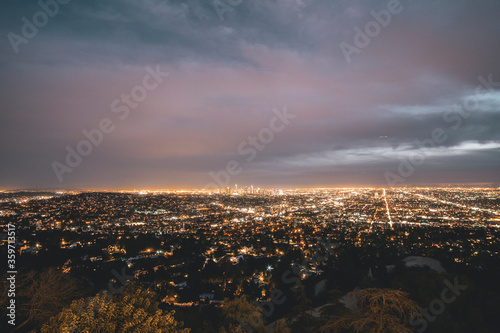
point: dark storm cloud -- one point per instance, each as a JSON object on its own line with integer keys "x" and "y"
{"x": 353, "y": 120}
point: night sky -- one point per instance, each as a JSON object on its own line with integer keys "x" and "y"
{"x": 413, "y": 101}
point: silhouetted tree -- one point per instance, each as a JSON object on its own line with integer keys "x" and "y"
{"x": 300, "y": 317}
{"x": 378, "y": 311}
{"x": 242, "y": 316}
{"x": 281, "y": 327}
{"x": 41, "y": 295}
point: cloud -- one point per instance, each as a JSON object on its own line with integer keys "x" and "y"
{"x": 353, "y": 120}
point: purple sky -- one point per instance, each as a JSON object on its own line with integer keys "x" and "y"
{"x": 357, "y": 122}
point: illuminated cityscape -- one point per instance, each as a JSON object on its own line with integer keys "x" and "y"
{"x": 197, "y": 248}
{"x": 250, "y": 166}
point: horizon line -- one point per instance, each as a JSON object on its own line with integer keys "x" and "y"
{"x": 288, "y": 188}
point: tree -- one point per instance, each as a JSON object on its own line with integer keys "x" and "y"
{"x": 41, "y": 295}
{"x": 300, "y": 317}
{"x": 242, "y": 316}
{"x": 378, "y": 310}
{"x": 281, "y": 327}
{"x": 127, "y": 312}
{"x": 333, "y": 307}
